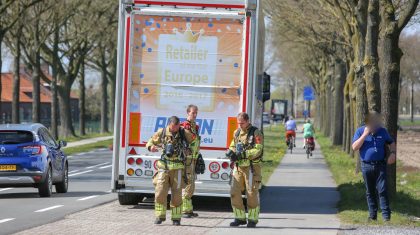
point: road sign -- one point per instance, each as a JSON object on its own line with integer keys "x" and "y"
{"x": 308, "y": 93}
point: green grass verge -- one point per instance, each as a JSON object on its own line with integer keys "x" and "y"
{"x": 87, "y": 136}
{"x": 274, "y": 150}
{"x": 404, "y": 123}
{"x": 352, "y": 206}
{"x": 87, "y": 147}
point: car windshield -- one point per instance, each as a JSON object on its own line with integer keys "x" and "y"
{"x": 15, "y": 137}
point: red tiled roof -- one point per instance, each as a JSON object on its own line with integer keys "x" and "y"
{"x": 25, "y": 86}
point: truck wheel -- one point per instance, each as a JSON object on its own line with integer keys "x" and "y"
{"x": 45, "y": 188}
{"x": 63, "y": 186}
{"x": 129, "y": 198}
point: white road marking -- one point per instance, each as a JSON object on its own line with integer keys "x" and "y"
{"x": 103, "y": 167}
{"x": 87, "y": 198}
{"x": 80, "y": 154}
{"x": 73, "y": 171}
{"x": 109, "y": 191}
{"x": 79, "y": 173}
{"x": 4, "y": 189}
{"x": 68, "y": 157}
{"x": 6, "y": 220}
{"x": 49, "y": 208}
{"x": 89, "y": 167}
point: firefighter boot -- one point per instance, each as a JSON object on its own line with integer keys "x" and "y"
{"x": 237, "y": 222}
{"x": 176, "y": 222}
{"x": 251, "y": 224}
{"x": 159, "y": 220}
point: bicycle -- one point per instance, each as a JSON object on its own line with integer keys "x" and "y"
{"x": 290, "y": 142}
{"x": 309, "y": 146}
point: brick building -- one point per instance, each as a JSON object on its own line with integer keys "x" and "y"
{"x": 25, "y": 96}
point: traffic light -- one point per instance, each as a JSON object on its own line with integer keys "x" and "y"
{"x": 266, "y": 86}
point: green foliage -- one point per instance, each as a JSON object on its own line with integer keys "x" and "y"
{"x": 353, "y": 206}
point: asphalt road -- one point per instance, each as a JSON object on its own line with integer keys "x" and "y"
{"x": 89, "y": 186}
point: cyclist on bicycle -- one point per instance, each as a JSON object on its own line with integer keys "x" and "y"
{"x": 308, "y": 133}
{"x": 290, "y": 126}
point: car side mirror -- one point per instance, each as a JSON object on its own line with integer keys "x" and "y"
{"x": 266, "y": 86}
{"x": 62, "y": 143}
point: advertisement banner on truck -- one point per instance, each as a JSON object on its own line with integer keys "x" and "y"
{"x": 177, "y": 61}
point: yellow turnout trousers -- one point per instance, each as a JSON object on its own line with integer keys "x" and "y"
{"x": 188, "y": 192}
{"x": 165, "y": 180}
{"x": 244, "y": 180}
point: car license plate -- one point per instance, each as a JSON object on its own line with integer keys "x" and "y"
{"x": 7, "y": 167}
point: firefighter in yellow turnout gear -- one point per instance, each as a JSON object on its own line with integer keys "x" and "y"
{"x": 175, "y": 143}
{"x": 246, "y": 151}
{"x": 191, "y": 127}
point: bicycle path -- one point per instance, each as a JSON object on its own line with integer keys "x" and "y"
{"x": 299, "y": 198}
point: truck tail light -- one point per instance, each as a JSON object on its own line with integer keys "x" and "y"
{"x": 130, "y": 172}
{"x": 232, "y": 165}
{"x": 214, "y": 167}
{"x": 33, "y": 150}
{"x": 224, "y": 176}
{"x": 130, "y": 161}
{"x": 225, "y": 165}
{"x": 139, "y": 161}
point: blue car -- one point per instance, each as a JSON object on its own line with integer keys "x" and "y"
{"x": 30, "y": 157}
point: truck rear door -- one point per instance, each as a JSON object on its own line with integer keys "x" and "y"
{"x": 174, "y": 57}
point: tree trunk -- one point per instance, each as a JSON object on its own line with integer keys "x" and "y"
{"x": 338, "y": 101}
{"x": 390, "y": 79}
{"x": 36, "y": 98}
{"x": 346, "y": 116}
{"x": 361, "y": 108}
{"x": 370, "y": 63}
{"x": 328, "y": 106}
{"x": 318, "y": 111}
{"x": 113, "y": 80}
{"x": 322, "y": 110}
{"x": 16, "y": 84}
{"x": 412, "y": 102}
{"x": 390, "y": 75}
{"x": 350, "y": 117}
{"x": 292, "y": 99}
{"x": 112, "y": 102}
{"x": 82, "y": 90}
{"x": 66, "y": 127}
{"x": 358, "y": 41}
{"x": 104, "y": 101}
{"x": 54, "y": 95}
{"x": 309, "y": 109}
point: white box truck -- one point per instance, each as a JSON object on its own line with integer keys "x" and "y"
{"x": 175, "y": 53}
